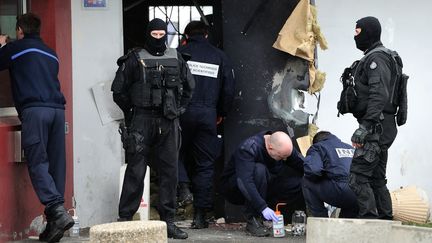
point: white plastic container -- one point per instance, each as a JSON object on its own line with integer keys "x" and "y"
{"x": 75, "y": 230}
{"x": 279, "y": 227}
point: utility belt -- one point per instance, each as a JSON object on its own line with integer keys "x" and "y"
{"x": 148, "y": 111}
{"x": 148, "y": 98}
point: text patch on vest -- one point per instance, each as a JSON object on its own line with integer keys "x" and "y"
{"x": 203, "y": 69}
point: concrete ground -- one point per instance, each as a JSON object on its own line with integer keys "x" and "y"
{"x": 215, "y": 233}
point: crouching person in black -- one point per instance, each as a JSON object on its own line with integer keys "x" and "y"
{"x": 152, "y": 86}
{"x": 264, "y": 170}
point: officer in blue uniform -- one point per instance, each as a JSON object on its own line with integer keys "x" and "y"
{"x": 212, "y": 98}
{"x": 263, "y": 170}
{"x": 152, "y": 86}
{"x": 40, "y": 105}
{"x": 326, "y": 174}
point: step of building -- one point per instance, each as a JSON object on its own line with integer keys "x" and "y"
{"x": 335, "y": 230}
{"x": 129, "y": 232}
{"x": 411, "y": 234}
{"x": 324, "y": 230}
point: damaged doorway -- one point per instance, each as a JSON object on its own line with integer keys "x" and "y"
{"x": 177, "y": 14}
{"x": 267, "y": 80}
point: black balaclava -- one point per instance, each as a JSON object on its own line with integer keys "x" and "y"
{"x": 155, "y": 46}
{"x": 370, "y": 33}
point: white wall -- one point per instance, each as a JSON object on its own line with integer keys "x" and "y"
{"x": 405, "y": 28}
{"x": 97, "y": 42}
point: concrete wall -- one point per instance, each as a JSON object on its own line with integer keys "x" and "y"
{"x": 97, "y": 42}
{"x": 405, "y": 28}
{"x": 324, "y": 230}
{"x": 412, "y": 234}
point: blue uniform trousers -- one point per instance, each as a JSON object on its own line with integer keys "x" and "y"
{"x": 332, "y": 192}
{"x": 43, "y": 141}
{"x": 200, "y": 147}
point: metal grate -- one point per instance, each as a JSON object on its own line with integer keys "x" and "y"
{"x": 177, "y": 17}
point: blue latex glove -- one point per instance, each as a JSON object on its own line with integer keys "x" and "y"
{"x": 269, "y": 214}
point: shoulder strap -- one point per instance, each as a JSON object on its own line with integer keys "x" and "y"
{"x": 169, "y": 53}
{"x": 393, "y": 55}
{"x": 397, "y": 66}
{"x": 378, "y": 49}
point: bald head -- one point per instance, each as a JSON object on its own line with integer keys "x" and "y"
{"x": 279, "y": 145}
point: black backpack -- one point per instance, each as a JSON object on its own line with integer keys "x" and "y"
{"x": 398, "y": 97}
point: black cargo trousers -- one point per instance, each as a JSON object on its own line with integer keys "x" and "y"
{"x": 368, "y": 173}
{"x": 157, "y": 143}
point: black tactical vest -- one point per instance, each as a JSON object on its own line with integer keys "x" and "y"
{"x": 362, "y": 87}
{"x": 160, "y": 86}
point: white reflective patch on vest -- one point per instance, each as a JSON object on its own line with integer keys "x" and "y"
{"x": 203, "y": 69}
{"x": 373, "y": 65}
{"x": 344, "y": 153}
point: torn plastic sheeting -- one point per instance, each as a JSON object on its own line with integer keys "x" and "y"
{"x": 300, "y": 33}
{"x": 298, "y": 37}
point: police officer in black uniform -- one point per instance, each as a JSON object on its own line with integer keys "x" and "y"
{"x": 326, "y": 173}
{"x": 152, "y": 86}
{"x": 210, "y": 103}
{"x": 374, "y": 77}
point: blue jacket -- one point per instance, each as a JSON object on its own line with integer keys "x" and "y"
{"x": 33, "y": 68}
{"x": 242, "y": 165}
{"x": 214, "y": 76}
{"x": 329, "y": 158}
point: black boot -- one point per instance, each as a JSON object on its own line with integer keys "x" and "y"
{"x": 256, "y": 227}
{"x": 44, "y": 235}
{"x": 185, "y": 196}
{"x": 123, "y": 219}
{"x": 175, "y": 232}
{"x": 199, "y": 221}
{"x": 58, "y": 222}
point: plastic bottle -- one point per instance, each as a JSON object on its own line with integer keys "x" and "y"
{"x": 298, "y": 223}
{"x": 74, "y": 231}
{"x": 278, "y": 227}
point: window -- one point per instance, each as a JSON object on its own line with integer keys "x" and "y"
{"x": 9, "y": 9}
{"x": 177, "y": 18}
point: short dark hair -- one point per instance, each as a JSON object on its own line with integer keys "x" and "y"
{"x": 30, "y": 23}
{"x": 320, "y": 136}
{"x": 196, "y": 28}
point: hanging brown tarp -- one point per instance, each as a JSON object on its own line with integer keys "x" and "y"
{"x": 299, "y": 36}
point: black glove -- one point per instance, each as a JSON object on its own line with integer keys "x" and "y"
{"x": 359, "y": 135}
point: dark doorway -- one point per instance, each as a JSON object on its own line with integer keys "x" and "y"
{"x": 137, "y": 13}
{"x": 177, "y": 14}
